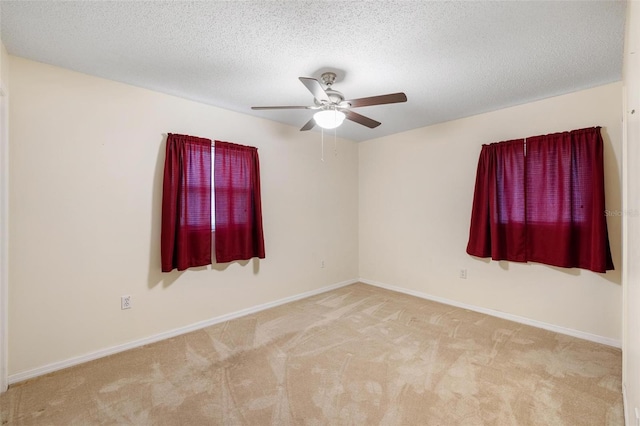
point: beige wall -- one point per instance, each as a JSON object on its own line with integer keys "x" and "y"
{"x": 631, "y": 319}
{"x": 4, "y": 219}
{"x": 85, "y": 193}
{"x": 416, "y": 190}
{"x": 4, "y": 64}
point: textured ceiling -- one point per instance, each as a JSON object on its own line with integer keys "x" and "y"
{"x": 452, "y": 59}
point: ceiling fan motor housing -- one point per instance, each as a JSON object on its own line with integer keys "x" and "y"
{"x": 335, "y": 98}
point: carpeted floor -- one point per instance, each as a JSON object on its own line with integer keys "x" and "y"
{"x": 358, "y": 355}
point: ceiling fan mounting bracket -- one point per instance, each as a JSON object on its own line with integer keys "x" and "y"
{"x": 328, "y": 78}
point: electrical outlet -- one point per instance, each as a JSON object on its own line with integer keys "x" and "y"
{"x": 125, "y": 302}
{"x": 463, "y": 274}
{"x": 322, "y": 263}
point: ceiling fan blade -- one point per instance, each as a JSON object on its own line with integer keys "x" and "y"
{"x": 378, "y": 100}
{"x": 361, "y": 119}
{"x": 310, "y": 124}
{"x": 284, "y": 107}
{"x": 315, "y": 88}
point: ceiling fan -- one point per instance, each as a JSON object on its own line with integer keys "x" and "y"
{"x": 333, "y": 108}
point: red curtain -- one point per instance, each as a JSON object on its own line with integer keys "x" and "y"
{"x": 186, "y": 203}
{"x": 566, "y": 224}
{"x": 238, "y": 211}
{"x": 543, "y": 202}
{"x": 498, "y": 218}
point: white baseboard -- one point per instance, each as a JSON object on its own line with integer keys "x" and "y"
{"x": 50, "y": 368}
{"x": 522, "y": 320}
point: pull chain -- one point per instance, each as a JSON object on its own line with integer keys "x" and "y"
{"x": 322, "y": 152}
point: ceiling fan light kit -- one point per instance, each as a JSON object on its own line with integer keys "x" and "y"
{"x": 333, "y": 108}
{"x": 329, "y": 118}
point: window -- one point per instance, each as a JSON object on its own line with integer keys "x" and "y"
{"x": 542, "y": 200}
{"x": 203, "y": 192}
{"x": 240, "y": 190}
